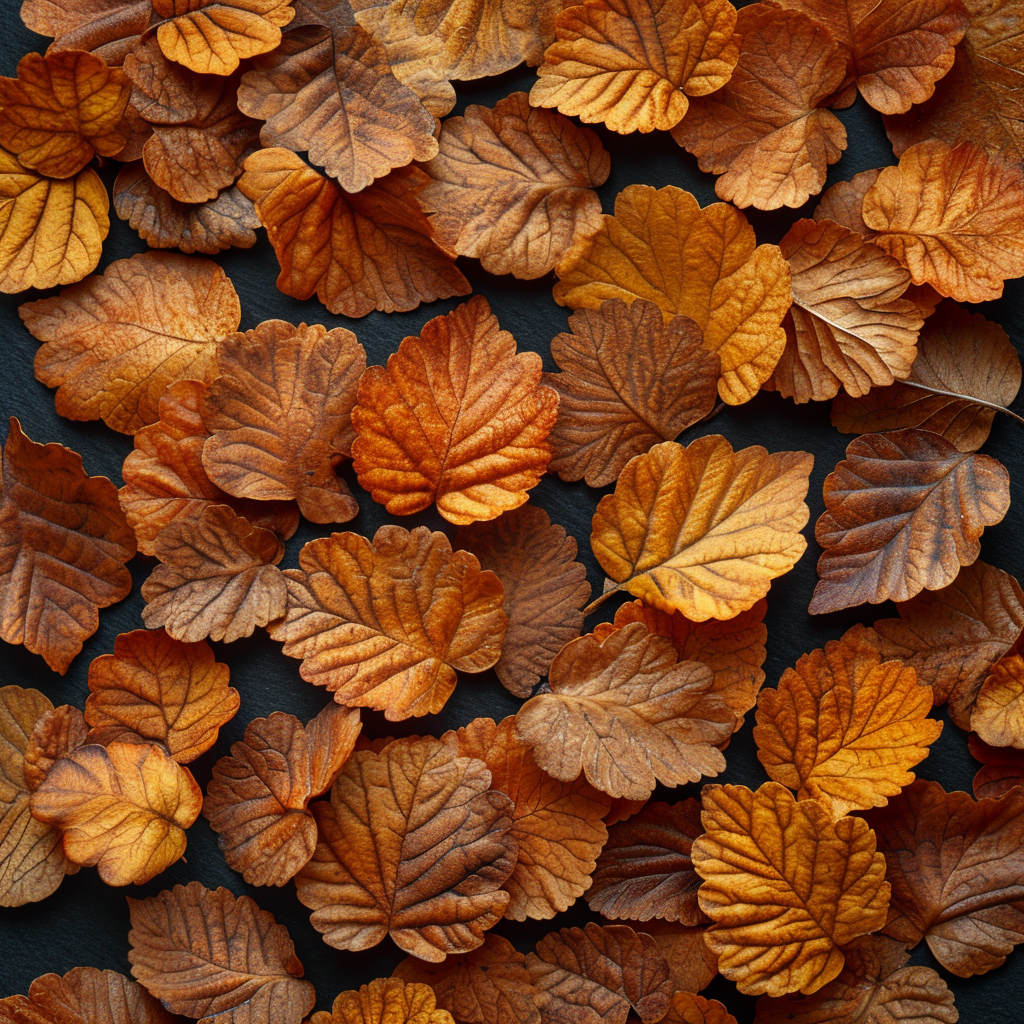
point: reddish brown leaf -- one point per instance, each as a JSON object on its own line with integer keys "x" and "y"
{"x": 165, "y": 92}
{"x": 109, "y": 28}
{"x": 1003, "y": 768}
{"x": 998, "y": 713}
{"x": 688, "y": 1008}
{"x": 691, "y": 963}
{"x": 54, "y": 736}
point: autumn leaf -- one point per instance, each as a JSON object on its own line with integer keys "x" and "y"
{"x": 1002, "y": 768}
{"x": 843, "y": 202}
{"x": 64, "y": 544}
{"x": 164, "y": 92}
{"x": 514, "y": 186}
{"x": 704, "y": 264}
{"x": 386, "y": 624}
{"x": 55, "y": 734}
{"x": 258, "y": 797}
{"x": 691, "y": 964}
{"x": 778, "y": 926}
{"x": 415, "y": 843}
{"x": 162, "y": 689}
{"x": 998, "y": 713}
{"x": 385, "y": 1001}
{"x": 904, "y": 511}
{"x": 688, "y": 1008}
{"x": 279, "y": 416}
{"x": 845, "y": 727}
{"x": 457, "y": 418}
{"x": 372, "y": 250}
{"x": 702, "y": 529}
{"x": 207, "y": 953}
{"x": 627, "y": 715}
{"x": 114, "y": 342}
{"x": 165, "y": 482}
{"x": 628, "y": 381}
{"x": 545, "y": 589}
{"x": 953, "y": 217}
{"x": 766, "y": 131}
{"x": 965, "y": 371}
{"x": 109, "y": 28}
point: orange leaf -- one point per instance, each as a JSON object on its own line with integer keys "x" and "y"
{"x": 109, "y": 28}
{"x": 1002, "y": 768}
{"x": 55, "y": 734}
{"x": 691, "y": 964}
{"x": 998, "y": 713}
{"x": 688, "y": 1008}
{"x": 385, "y": 1001}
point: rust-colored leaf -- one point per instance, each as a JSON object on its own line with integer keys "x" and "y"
{"x": 704, "y": 264}
{"x": 385, "y": 1001}
{"x": 414, "y": 843}
{"x": 457, "y": 418}
{"x": 165, "y": 92}
{"x": 786, "y": 887}
{"x": 627, "y": 715}
{"x": 843, "y": 202}
{"x": 385, "y": 624}
{"x": 258, "y": 797}
{"x": 998, "y": 713}
{"x": 691, "y": 964}
{"x": 209, "y": 954}
{"x": 162, "y": 689}
{"x": 64, "y": 543}
{"x": 688, "y": 1008}
{"x": 356, "y": 253}
{"x": 55, "y": 735}
{"x": 904, "y": 511}
{"x": 545, "y": 589}
{"x": 1002, "y": 768}
{"x": 109, "y": 28}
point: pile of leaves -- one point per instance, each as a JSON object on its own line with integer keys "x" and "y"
{"x": 808, "y": 890}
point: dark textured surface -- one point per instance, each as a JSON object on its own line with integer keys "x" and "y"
{"x": 86, "y": 923}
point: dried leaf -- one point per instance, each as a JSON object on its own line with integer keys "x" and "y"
{"x": 704, "y": 264}
{"x": 165, "y": 92}
{"x": 998, "y": 713}
{"x": 545, "y": 589}
{"x": 385, "y": 624}
{"x": 385, "y": 1001}
{"x": 843, "y": 202}
{"x": 703, "y": 530}
{"x": 514, "y": 186}
{"x": 457, "y": 417}
{"x": 627, "y": 715}
{"x": 373, "y": 250}
{"x": 767, "y": 132}
{"x": 217, "y": 578}
{"x": 279, "y": 415}
{"x": 109, "y": 28}
{"x": 904, "y": 511}
{"x": 64, "y": 544}
{"x": 112, "y": 344}
{"x": 161, "y": 689}
{"x": 1003, "y": 768}
{"x": 691, "y": 963}
{"x": 258, "y": 797}
{"x": 206, "y": 953}
{"x": 414, "y": 843}
{"x": 786, "y": 887}
{"x": 55, "y": 735}
{"x": 688, "y": 1008}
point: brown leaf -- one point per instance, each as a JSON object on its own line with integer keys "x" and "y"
{"x": 386, "y": 624}
{"x": 1002, "y": 768}
{"x": 691, "y": 963}
{"x": 206, "y": 953}
{"x": 627, "y": 715}
{"x": 112, "y": 344}
{"x": 595, "y": 975}
{"x": 258, "y": 797}
{"x": 904, "y": 511}
{"x": 54, "y": 736}
{"x": 545, "y": 589}
{"x": 965, "y": 368}
{"x": 109, "y": 28}
{"x": 688, "y": 1008}
{"x": 514, "y": 186}
{"x": 457, "y": 417}
{"x": 385, "y": 1001}
{"x": 162, "y": 689}
{"x": 372, "y": 250}
{"x": 704, "y": 264}
{"x": 786, "y": 887}
{"x": 279, "y": 415}
{"x": 217, "y": 578}
{"x": 998, "y": 713}
{"x": 414, "y": 843}
{"x": 164, "y": 92}
{"x": 767, "y": 132}
{"x": 843, "y": 202}
{"x": 628, "y": 381}
{"x": 165, "y": 481}
{"x": 63, "y": 547}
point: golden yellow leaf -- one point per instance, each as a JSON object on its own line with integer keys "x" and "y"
{"x": 385, "y": 1001}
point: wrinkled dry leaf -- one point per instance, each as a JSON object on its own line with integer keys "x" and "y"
{"x": 688, "y": 1008}
{"x": 691, "y": 964}
{"x": 1002, "y": 768}
{"x": 843, "y": 202}
{"x": 998, "y": 713}
{"x": 109, "y": 28}
{"x": 385, "y": 1001}
{"x": 165, "y": 92}
{"x": 54, "y": 736}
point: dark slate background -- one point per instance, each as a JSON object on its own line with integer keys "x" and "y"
{"x": 86, "y": 923}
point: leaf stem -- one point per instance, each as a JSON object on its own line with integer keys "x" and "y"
{"x": 963, "y": 398}
{"x": 599, "y": 600}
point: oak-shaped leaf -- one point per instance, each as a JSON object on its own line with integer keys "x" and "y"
{"x": 998, "y": 713}
{"x": 124, "y": 808}
{"x": 64, "y": 543}
{"x": 904, "y": 511}
{"x": 458, "y": 418}
{"x": 414, "y": 843}
{"x": 162, "y": 689}
{"x": 109, "y": 28}
{"x": 55, "y": 734}
{"x": 767, "y": 132}
{"x": 113, "y": 343}
{"x": 385, "y": 624}
{"x": 209, "y": 954}
{"x": 356, "y": 253}
{"x": 704, "y": 264}
{"x": 778, "y": 926}
{"x": 702, "y": 529}
{"x": 385, "y": 1001}
{"x": 628, "y": 381}
{"x": 627, "y": 715}
{"x": 545, "y": 589}
{"x": 279, "y": 415}
{"x": 1002, "y": 768}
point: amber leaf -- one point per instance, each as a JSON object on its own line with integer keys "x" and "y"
{"x": 692, "y": 965}
{"x": 998, "y": 713}
{"x": 385, "y": 1001}
{"x": 688, "y": 1008}
{"x": 414, "y": 843}
{"x": 1002, "y": 768}
{"x": 904, "y": 511}
{"x": 54, "y": 736}
{"x": 110, "y": 28}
